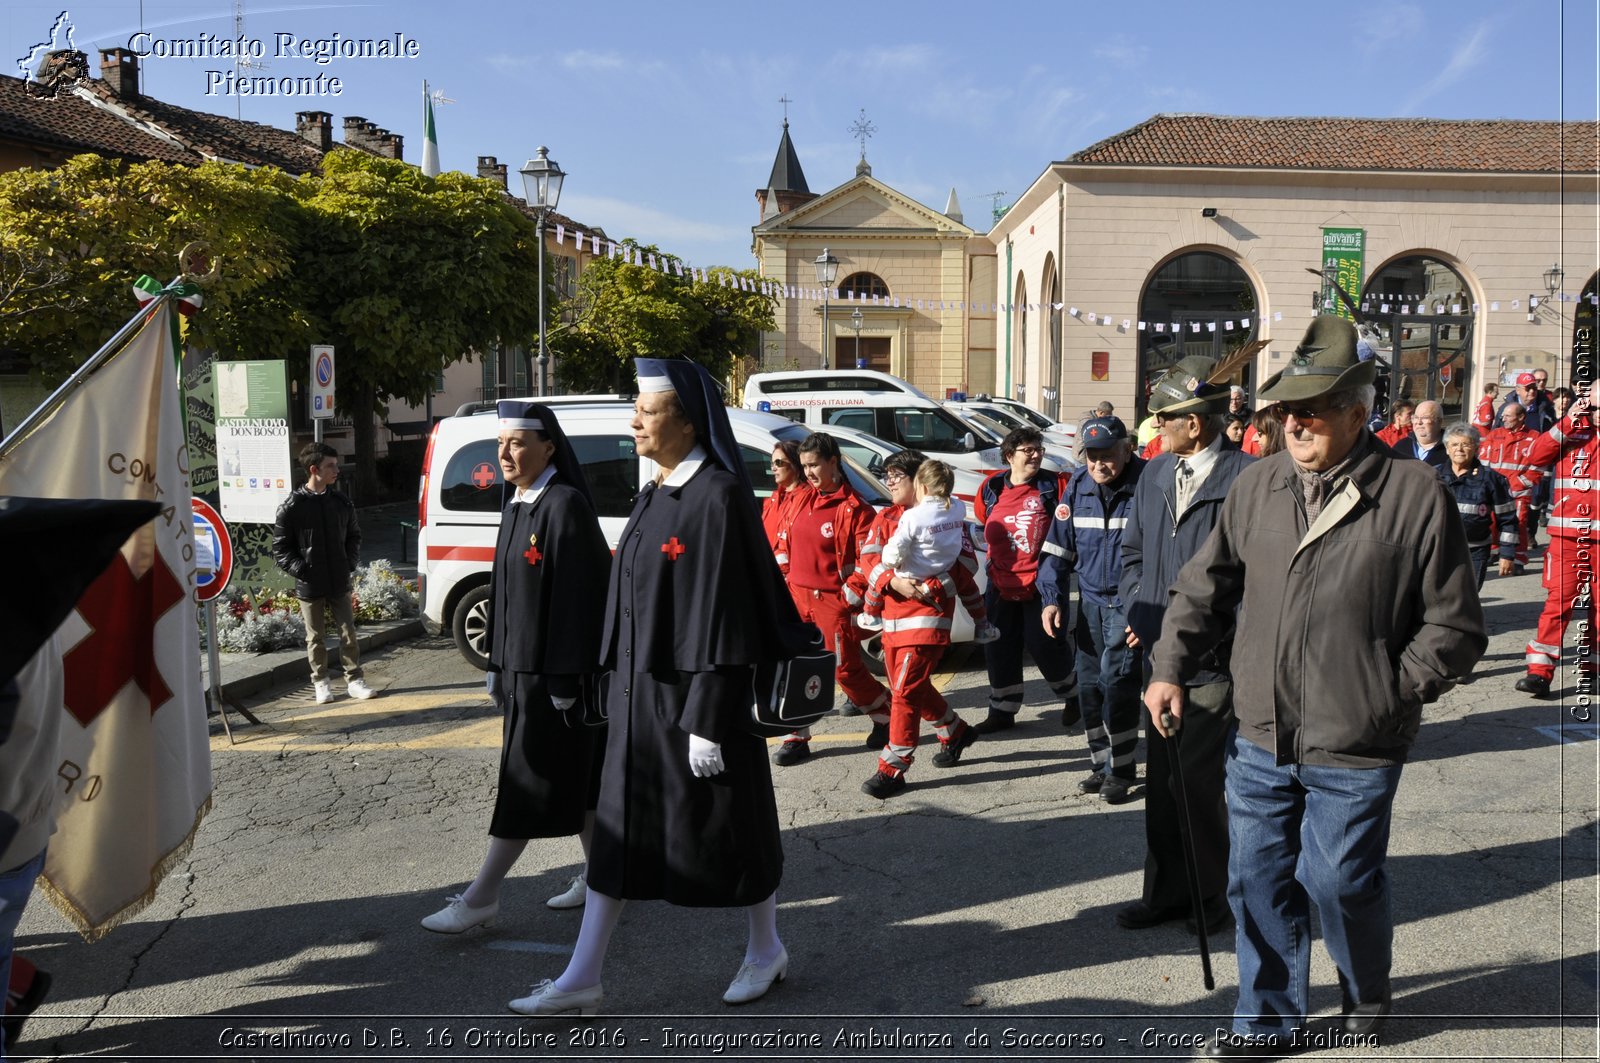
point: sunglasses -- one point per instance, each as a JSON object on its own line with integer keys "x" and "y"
{"x": 1302, "y": 414}
{"x": 780, "y": 465}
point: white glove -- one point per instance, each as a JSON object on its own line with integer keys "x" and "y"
{"x": 563, "y": 703}
{"x": 705, "y": 758}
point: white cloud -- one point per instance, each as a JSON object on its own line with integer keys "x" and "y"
{"x": 1400, "y": 25}
{"x": 600, "y": 62}
{"x": 1469, "y": 54}
{"x": 1120, "y": 51}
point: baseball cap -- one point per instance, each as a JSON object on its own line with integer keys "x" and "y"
{"x": 1103, "y": 431}
{"x": 1524, "y": 380}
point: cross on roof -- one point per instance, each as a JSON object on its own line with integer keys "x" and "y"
{"x": 786, "y": 101}
{"x": 862, "y": 129}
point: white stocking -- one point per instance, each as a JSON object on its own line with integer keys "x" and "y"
{"x": 763, "y": 946}
{"x": 485, "y": 889}
{"x": 600, "y": 915}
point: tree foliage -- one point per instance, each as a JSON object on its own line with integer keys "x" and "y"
{"x": 93, "y": 225}
{"x": 621, "y": 312}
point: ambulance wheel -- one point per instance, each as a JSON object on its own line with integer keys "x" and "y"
{"x": 470, "y": 626}
{"x": 872, "y": 654}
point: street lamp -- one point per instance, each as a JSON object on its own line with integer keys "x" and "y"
{"x": 827, "y": 270}
{"x": 856, "y": 321}
{"x": 541, "y": 186}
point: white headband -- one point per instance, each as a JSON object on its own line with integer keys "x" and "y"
{"x": 655, "y": 383}
{"x": 531, "y": 424}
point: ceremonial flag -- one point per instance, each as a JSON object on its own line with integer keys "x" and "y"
{"x": 430, "y": 139}
{"x": 135, "y": 749}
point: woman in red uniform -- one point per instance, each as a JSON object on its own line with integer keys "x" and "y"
{"x": 916, "y": 630}
{"x": 1016, "y": 508}
{"x": 824, "y": 538}
{"x": 789, "y": 492}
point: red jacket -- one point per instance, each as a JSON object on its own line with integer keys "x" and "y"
{"x": 1392, "y": 434}
{"x": 1571, "y": 446}
{"x": 1483, "y": 416}
{"x": 907, "y": 621}
{"x": 1507, "y": 451}
{"x": 850, "y": 523}
{"x": 777, "y": 513}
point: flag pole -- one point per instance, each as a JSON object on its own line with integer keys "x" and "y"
{"x": 73, "y": 382}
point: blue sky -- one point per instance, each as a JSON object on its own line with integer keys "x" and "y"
{"x": 666, "y": 116}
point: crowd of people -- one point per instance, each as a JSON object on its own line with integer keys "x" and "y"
{"x": 1353, "y": 555}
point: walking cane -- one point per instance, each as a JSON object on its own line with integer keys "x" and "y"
{"x": 1169, "y": 729}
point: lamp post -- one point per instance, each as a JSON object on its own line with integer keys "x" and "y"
{"x": 827, "y": 270}
{"x": 541, "y": 185}
{"x": 856, "y": 321}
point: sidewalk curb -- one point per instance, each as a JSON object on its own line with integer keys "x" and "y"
{"x": 255, "y": 673}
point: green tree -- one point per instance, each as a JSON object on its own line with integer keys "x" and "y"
{"x": 621, "y": 312}
{"x": 406, "y": 275}
{"x": 76, "y": 237}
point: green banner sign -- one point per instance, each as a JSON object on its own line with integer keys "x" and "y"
{"x": 1344, "y": 253}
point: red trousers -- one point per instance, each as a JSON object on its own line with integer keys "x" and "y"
{"x": 828, "y": 611}
{"x": 1525, "y": 528}
{"x": 912, "y": 696}
{"x": 1569, "y": 585}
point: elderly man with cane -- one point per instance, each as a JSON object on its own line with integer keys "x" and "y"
{"x": 1347, "y": 574}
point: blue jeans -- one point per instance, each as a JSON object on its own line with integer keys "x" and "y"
{"x": 1108, "y": 688}
{"x": 16, "y": 886}
{"x": 1305, "y": 834}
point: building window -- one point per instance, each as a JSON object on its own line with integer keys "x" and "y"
{"x": 864, "y": 285}
{"x": 1422, "y": 312}
{"x": 1199, "y": 303}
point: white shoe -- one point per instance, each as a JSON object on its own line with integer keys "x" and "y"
{"x": 985, "y": 633}
{"x": 576, "y": 893}
{"x": 869, "y": 623}
{"x": 324, "y": 691}
{"x": 753, "y": 980}
{"x": 358, "y": 689}
{"x": 546, "y": 999}
{"x": 458, "y": 916}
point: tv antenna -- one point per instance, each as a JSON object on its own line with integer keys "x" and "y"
{"x": 995, "y": 209}
{"x": 241, "y": 61}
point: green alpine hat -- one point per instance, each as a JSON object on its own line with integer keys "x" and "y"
{"x": 1183, "y": 389}
{"x": 1326, "y": 360}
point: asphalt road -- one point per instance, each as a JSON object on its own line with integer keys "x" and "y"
{"x": 968, "y": 918}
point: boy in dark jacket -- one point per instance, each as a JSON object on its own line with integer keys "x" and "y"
{"x": 318, "y": 542}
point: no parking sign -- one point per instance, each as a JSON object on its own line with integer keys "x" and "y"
{"x": 321, "y": 381}
{"x": 213, "y": 551}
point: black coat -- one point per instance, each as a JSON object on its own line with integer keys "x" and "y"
{"x": 692, "y": 605}
{"x": 544, "y": 623}
{"x": 318, "y": 542}
{"x": 1153, "y": 551}
{"x": 1407, "y": 448}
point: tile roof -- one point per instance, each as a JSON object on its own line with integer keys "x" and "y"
{"x": 216, "y": 135}
{"x": 1401, "y": 144}
{"x": 73, "y": 125}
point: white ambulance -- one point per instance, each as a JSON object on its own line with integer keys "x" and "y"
{"x": 459, "y": 502}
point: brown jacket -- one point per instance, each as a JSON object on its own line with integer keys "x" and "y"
{"x": 1344, "y": 630}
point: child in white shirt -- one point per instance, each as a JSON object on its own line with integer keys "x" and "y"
{"x": 925, "y": 544}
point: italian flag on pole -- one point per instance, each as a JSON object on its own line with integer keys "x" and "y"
{"x": 135, "y": 758}
{"x": 430, "y": 139}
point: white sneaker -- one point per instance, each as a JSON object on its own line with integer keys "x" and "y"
{"x": 358, "y": 689}
{"x": 576, "y": 893}
{"x": 985, "y": 633}
{"x": 753, "y": 980}
{"x": 869, "y": 623}
{"x": 546, "y": 999}
{"x": 457, "y": 916}
{"x": 324, "y": 691}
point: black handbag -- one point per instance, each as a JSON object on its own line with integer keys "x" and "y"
{"x": 793, "y": 693}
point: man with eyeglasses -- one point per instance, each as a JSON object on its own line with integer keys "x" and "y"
{"x": 1175, "y": 506}
{"x": 1427, "y": 427}
{"x": 1343, "y": 575}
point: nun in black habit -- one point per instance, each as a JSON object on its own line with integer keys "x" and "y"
{"x": 686, "y": 812}
{"x": 544, "y": 624}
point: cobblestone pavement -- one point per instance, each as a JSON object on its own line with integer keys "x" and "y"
{"x": 977, "y": 902}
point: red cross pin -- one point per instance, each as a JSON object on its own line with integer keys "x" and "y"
{"x": 532, "y": 552}
{"x": 672, "y": 548}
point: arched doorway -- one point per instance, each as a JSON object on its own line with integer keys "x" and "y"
{"x": 1050, "y": 316}
{"x": 1422, "y": 309}
{"x": 1196, "y": 303}
{"x": 1018, "y": 377}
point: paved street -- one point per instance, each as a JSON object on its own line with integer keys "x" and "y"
{"x": 978, "y": 902}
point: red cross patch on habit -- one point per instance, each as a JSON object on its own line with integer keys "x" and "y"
{"x": 532, "y": 552}
{"x": 672, "y": 548}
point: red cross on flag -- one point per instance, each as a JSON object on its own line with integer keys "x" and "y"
{"x": 135, "y": 748}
